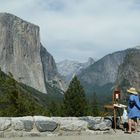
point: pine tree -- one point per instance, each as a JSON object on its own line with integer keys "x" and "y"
{"x": 75, "y": 103}
{"x": 15, "y": 101}
{"x": 94, "y": 105}
{"x": 52, "y": 107}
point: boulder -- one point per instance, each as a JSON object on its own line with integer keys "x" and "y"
{"x": 44, "y": 124}
{"x": 28, "y": 123}
{"x": 71, "y": 123}
{"x": 17, "y": 124}
{"x": 101, "y": 125}
{"x": 5, "y": 123}
{"x": 22, "y": 123}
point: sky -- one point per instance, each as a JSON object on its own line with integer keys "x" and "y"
{"x": 78, "y": 29}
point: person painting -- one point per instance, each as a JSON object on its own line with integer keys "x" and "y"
{"x": 133, "y": 110}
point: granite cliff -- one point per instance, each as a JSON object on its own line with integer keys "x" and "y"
{"x": 22, "y": 54}
{"x": 51, "y": 74}
{"x": 129, "y": 71}
{"x": 103, "y": 71}
{"x": 121, "y": 68}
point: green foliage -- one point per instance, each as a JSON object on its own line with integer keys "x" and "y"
{"x": 95, "y": 106}
{"x": 16, "y": 101}
{"x": 53, "y": 94}
{"x": 75, "y": 103}
{"x": 101, "y": 91}
{"x": 55, "y": 109}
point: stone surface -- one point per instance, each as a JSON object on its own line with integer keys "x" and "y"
{"x": 1, "y": 134}
{"x": 37, "y": 126}
{"x": 45, "y": 124}
{"x": 5, "y": 123}
{"x": 73, "y": 125}
{"x": 31, "y": 134}
{"x": 22, "y": 123}
{"x": 10, "y": 134}
{"x": 100, "y": 125}
{"x": 28, "y": 123}
{"x": 17, "y": 124}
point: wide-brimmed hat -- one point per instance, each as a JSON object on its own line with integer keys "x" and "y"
{"x": 132, "y": 90}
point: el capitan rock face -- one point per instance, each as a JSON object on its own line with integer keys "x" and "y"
{"x": 20, "y": 51}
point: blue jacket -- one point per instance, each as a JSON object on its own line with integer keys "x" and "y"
{"x": 133, "y": 106}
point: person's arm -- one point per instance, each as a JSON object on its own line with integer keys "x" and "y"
{"x": 137, "y": 102}
{"x": 131, "y": 101}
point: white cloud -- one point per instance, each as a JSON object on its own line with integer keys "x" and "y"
{"x": 78, "y": 29}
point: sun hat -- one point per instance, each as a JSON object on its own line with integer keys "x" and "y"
{"x": 132, "y": 90}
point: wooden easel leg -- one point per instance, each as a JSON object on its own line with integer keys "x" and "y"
{"x": 114, "y": 112}
{"x": 120, "y": 121}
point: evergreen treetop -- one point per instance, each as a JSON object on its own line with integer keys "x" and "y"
{"x": 75, "y": 103}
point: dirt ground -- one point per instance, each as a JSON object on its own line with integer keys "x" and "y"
{"x": 119, "y": 135}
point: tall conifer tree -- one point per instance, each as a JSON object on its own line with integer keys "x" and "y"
{"x": 94, "y": 105}
{"x": 75, "y": 103}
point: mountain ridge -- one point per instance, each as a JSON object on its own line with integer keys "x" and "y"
{"x": 102, "y": 75}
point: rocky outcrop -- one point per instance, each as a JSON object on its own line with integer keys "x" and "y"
{"x": 49, "y": 65}
{"x": 20, "y": 51}
{"x": 52, "y": 126}
{"x": 129, "y": 71}
{"x": 103, "y": 71}
{"x": 51, "y": 74}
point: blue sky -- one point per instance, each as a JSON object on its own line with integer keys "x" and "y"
{"x": 78, "y": 29}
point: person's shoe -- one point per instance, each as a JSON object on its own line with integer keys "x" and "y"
{"x": 127, "y": 132}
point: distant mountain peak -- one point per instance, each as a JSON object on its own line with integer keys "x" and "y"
{"x": 90, "y": 59}
{"x": 68, "y": 68}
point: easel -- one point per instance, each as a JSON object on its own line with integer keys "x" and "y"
{"x": 115, "y": 99}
